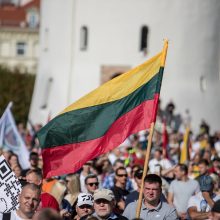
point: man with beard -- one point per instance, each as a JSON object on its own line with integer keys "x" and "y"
{"x": 104, "y": 203}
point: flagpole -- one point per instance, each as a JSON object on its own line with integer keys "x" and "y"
{"x": 149, "y": 144}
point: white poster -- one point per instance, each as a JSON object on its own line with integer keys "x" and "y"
{"x": 10, "y": 187}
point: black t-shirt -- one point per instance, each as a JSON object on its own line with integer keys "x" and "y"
{"x": 120, "y": 194}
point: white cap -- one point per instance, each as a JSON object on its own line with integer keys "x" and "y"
{"x": 84, "y": 199}
{"x": 103, "y": 194}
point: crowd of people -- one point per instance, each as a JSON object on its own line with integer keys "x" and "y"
{"x": 108, "y": 187}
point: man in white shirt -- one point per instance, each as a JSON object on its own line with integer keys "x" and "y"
{"x": 181, "y": 189}
{"x": 199, "y": 206}
{"x": 28, "y": 202}
{"x": 159, "y": 161}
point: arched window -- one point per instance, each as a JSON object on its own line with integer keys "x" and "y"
{"x": 83, "y": 38}
{"x": 144, "y": 36}
{"x": 203, "y": 84}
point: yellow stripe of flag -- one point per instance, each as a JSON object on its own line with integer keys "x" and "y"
{"x": 120, "y": 86}
{"x": 184, "y": 150}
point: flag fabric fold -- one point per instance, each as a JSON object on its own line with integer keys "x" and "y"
{"x": 11, "y": 140}
{"x": 103, "y": 119}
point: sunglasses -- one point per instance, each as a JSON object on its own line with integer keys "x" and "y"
{"x": 138, "y": 177}
{"x": 92, "y": 184}
{"x": 99, "y": 201}
{"x": 85, "y": 206}
{"x": 121, "y": 175}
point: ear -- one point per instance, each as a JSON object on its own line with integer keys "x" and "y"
{"x": 113, "y": 203}
{"x": 19, "y": 197}
{"x": 40, "y": 182}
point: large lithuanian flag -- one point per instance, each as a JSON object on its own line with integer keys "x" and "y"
{"x": 103, "y": 119}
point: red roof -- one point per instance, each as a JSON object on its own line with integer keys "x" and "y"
{"x": 11, "y": 15}
{"x": 34, "y": 3}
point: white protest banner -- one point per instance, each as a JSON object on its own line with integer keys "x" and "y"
{"x": 10, "y": 187}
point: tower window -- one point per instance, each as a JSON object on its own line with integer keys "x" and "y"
{"x": 83, "y": 38}
{"x": 203, "y": 84}
{"x": 47, "y": 91}
{"x": 144, "y": 36}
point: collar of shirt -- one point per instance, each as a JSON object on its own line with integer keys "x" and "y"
{"x": 112, "y": 216}
{"x": 153, "y": 209}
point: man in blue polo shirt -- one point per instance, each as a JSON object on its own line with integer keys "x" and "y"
{"x": 152, "y": 206}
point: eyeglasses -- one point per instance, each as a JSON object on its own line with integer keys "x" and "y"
{"x": 85, "y": 206}
{"x": 121, "y": 175}
{"x": 92, "y": 184}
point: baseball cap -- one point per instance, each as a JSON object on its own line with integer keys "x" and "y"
{"x": 206, "y": 183}
{"x": 84, "y": 199}
{"x": 103, "y": 194}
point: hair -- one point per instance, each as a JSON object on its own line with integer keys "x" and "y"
{"x": 90, "y": 176}
{"x": 33, "y": 154}
{"x": 58, "y": 190}
{"x": 153, "y": 178}
{"x": 32, "y": 186}
{"x": 120, "y": 168}
{"x": 47, "y": 214}
{"x": 17, "y": 166}
{"x": 73, "y": 188}
{"x": 183, "y": 167}
{"x": 37, "y": 172}
{"x": 158, "y": 150}
{"x": 118, "y": 161}
{"x": 204, "y": 161}
{"x": 135, "y": 166}
{"x": 12, "y": 155}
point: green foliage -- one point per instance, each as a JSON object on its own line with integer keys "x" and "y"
{"x": 18, "y": 88}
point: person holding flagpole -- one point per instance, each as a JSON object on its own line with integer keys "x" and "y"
{"x": 152, "y": 206}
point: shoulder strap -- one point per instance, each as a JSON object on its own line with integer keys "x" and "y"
{"x": 6, "y": 216}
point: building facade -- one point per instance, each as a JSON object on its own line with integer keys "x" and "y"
{"x": 85, "y": 42}
{"x": 19, "y": 36}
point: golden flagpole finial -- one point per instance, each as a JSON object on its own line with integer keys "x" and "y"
{"x": 165, "y": 47}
